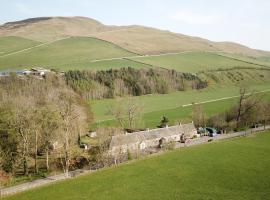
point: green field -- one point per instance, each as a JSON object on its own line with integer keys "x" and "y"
{"x": 156, "y": 102}
{"x": 95, "y": 54}
{"x": 103, "y": 65}
{"x": 236, "y": 169}
{"x": 64, "y": 52}
{"x": 12, "y": 44}
{"x": 194, "y": 61}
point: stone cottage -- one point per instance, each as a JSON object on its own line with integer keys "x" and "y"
{"x": 142, "y": 140}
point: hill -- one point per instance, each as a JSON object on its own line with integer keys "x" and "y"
{"x": 12, "y": 44}
{"x": 236, "y": 169}
{"x": 64, "y": 53}
{"x": 199, "y": 61}
{"x": 139, "y": 39}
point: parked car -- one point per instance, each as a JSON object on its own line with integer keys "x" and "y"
{"x": 212, "y": 131}
{"x": 202, "y": 131}
{"x": 256, "y": 125}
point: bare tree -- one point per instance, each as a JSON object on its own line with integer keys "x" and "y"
{"x": 198, "y": 115}
{"x": 246, "y": 103}
{"x": 126, "y": 111}
{"x": 73, "y": 120}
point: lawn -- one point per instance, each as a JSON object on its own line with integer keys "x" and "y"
{"x": 70, "y": 52}
{"x": 194, "y": 61}
{"x": 12, "y": 44}
{"x": 236, "y": 169}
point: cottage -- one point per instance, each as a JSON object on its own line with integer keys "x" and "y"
{"x": 38, "y": 71}
{"x": 142, "y": 140}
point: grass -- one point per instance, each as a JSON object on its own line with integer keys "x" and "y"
{"x": 194, "y": 61}
{"x": 156, "y": 102}
{"x": 12, "y": 44}
{"x": 103, "y": 65}
{"x": 177, "y": 114}
{"x": 236, "y": 169}
{"x": 66, "y": 52}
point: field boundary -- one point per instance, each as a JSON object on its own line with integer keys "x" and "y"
{"x": 33, "y": 47}
{"x": 195, "y": 103}
{"x": 224, "y": 98}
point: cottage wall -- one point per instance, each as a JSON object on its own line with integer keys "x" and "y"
{"x": 134, "y": 142}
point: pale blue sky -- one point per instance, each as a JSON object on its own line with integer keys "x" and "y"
{"x": 242, "y": 21}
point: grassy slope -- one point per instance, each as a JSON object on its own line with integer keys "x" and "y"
{"x": 194, "y": 61}
{"x": 236, "y": 169}
{"x": 68, "y": 51}
{"x": 12, "y": 44}
{"x": 154, "y": 104}
{"x": 104, "y": 65}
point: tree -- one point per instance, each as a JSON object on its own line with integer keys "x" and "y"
{"x": 245, "y": 109}
{"x": 35, "y": 111}
{"x": 164, "y": 122}
{"x": 263, "y": 112}
{"x": 72, "y": 120}
{"x": 127, "y": 111}
{"x": 198, "y": 115}
{"x": 49, "y": 127}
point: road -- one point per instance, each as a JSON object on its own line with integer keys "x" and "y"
{"x": 52, "y": 179}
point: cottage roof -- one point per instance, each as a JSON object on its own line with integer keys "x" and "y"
{"x": 138, "y": 137}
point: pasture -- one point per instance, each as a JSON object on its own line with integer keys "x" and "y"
{"x": 236, "y": 169}
{"x": 194, "y": 61}
{"x": 12, "y": 44}
{"x": 64, "y": 52}
{"x": 153, "y": 105}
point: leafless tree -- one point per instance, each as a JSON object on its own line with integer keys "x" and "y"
{"x": 198, "y": 115}
{"x": 126, "y": 111}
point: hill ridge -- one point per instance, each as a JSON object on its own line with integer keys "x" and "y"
{"x": 135, "y": 38}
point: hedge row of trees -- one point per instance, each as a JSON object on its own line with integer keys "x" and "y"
{"x": 130, "y": 81}
{"x": 36, "y": 114}
{"x": 251, "y": 109}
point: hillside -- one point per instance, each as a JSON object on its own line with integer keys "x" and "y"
{"x": 235, "y": 169}
{"x": 139, "y": 39}
{"x": 66, "y": 52}
{"x": 12, "y": 44}
{"x": 198, "y": 61}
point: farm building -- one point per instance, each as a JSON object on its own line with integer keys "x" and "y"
{"x": 142, "y": 140}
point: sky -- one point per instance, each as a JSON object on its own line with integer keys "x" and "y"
{"x": 242, "y": 21}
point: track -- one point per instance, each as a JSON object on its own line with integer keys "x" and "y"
{"x": 33, "y": 47}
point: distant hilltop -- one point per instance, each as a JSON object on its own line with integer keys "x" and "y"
{"x": 138, "y": 39}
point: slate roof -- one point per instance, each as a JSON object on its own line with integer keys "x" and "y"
{"x": 137, "y": 137}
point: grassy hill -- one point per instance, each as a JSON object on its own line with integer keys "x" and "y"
{"x": 197, "y": 61}
{"x": 236, "y": 169}
{"x": 153, "y": 105}
{"x": 66, "y": 52}
{"x": 139, "y": 39}
{"x": 12, "y": 44}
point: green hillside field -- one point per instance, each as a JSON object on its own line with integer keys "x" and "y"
{"x": 236, "y": 169}
{"x": 153, "y": 105}
{"x": 195, "y": 61}
{"x": 66, "y": 52}
{"x": 12, "y": 44}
